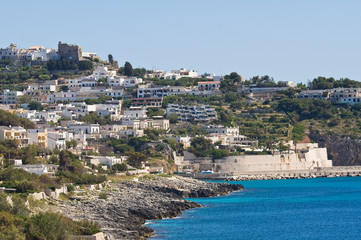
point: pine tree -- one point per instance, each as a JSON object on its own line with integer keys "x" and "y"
{"x": 128, "y": 69}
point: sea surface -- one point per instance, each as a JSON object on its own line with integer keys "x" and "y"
{"x": 321, "y": 208}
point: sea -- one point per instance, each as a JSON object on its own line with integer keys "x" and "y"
{"x": 317, "y": 208}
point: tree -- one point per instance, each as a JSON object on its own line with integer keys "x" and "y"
{"x": 173, "y": 118}
{"x": 231, "y": 97}
{"x": 25, "y": 99}
{"x": 201, "y": 146}
{"x": 7, "y": 118}
{"x": 298, "y": 133}
{"x": 110, "y": 58}
{"x": 219, "y": 153}
{"x": 126, "y": 104}
{"x": 86, "y": 65}
{"x": 136, "y": 159}
{"x": 128, "y": 69}
{"x": 48, "y": 225}
{"x": 121, "y": 167}
{"x": 64, "y": 160}
{"x": 4, "y": 204}
{"x": 71, "y": 144}
{"x": 11, "y": 227}
{"x": 34, "y": 105}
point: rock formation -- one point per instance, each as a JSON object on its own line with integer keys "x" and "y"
{"x": 130, "y": 204}
{"x": 343, "y": 151}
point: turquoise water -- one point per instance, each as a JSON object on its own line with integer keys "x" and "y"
{"x": 322, "y": 208}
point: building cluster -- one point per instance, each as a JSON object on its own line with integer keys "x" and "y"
{"x": 40, "y": 53}
{"x": 65, "y": 104}
{"x": 336, "y": 95}
{"x": 227, "y": 137}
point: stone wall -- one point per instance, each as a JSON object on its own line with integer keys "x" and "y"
{"x": 314, "y": 158}
{"x": 97, "y": 236}
{"x": 69, "y": 51}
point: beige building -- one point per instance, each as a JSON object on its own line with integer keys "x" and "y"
{"x": 18, "y": 133}
{"x": 38, "y": 136}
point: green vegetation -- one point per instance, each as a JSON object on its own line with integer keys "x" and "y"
{"x": 203, "y": 147}
{"x": 184, "y": 81}
{"x": 72, "y": 170}
{"x": 94, "y": 118}
{"x": 66, "y": 64}
{"x": 16, "y": 223}
{"x": 100, "y": 100}
{"x": 329, "y": 83}
{"x": 136, "y": 159}
{"x": 7, "y": 119}
{"x": 25, "y": 182}
{"x": 120, "y": 167}
{"x": 21, "y": 74}
{"x": 128, "y": 69}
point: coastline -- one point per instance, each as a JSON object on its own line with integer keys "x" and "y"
{"x": 130, "y": 204}
{"x": 335, "y": 171}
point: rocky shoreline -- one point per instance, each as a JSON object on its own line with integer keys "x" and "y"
{"x": 130, "y": 203}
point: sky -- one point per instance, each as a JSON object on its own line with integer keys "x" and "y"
{"x": 285, "y": 39}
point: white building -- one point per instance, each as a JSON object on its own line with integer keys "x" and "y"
{"x": 62, "y": 97}
{"x": 41, "y": 88}
{"x": 346, "y": 95}
{"x": 123, "y": 81}
{"x": 107, "y": 160}
{"x": 114, "y": 93}
{"x": 57, "y": 139}
{"x": 186, "y": 141}
{"x": 220, "y": 129}
{"x": 135, "y": 113}
{"x": 144, "y": 91}
{"x": 38, "y": 136}
{"x": 186, "y": 73}
{"x": 192, "y": 113}
{"x": 19, "y": 134}
{"x": 11, "y": 52}
{"x": 103, "y": 72}
{"x": 313, "y": 94}
{"x": 39, "y": 169}
{"x": 85, "y": 128}
{"x": 41, "y": 54}
{"x": 208, "y": 86}
{"x": 10, "y": 97}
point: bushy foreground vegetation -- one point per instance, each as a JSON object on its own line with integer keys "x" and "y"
{"x": 16, "y": 223}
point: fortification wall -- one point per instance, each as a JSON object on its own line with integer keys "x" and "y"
{"x": 314, "y": 158}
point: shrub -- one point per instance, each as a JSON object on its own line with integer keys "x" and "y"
{"x": 103, "y": 195}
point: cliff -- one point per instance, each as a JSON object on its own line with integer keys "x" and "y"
{"x": 343, "y": 151}
{"x": 130, "y": 204}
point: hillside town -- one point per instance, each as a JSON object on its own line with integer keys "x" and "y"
{"x": 74, "y": 127}
{"x": 105, "y": 113}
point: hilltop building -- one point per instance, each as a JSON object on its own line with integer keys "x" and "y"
{"x": 69, "y": 51}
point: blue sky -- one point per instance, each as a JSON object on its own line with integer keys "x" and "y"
{"x": 288, "y": 40}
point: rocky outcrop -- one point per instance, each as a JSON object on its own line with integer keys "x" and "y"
{"x": 130, "y": 204}
{"x": 343, "y": 151}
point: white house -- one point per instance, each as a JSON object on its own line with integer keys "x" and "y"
{"x": 103, "y": 72}
{"x": 41, "y": 54}
{"x": 107, "y": 160}
{"x": 192, "y": 113}
{"x": 39, "y": 169}
{"x": 123, "y": 81}
{"x": 57, "y": 140}
{"x": 84, "y": 128}
{"x": 145, "y": 91}
{"x": 135, "y": 113}
{"x": 10, "y": 97}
